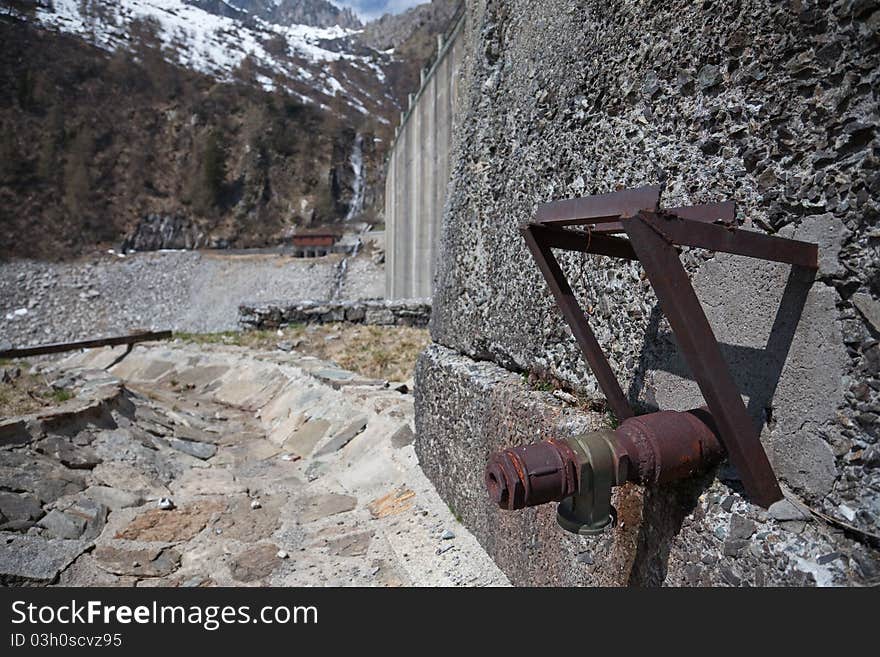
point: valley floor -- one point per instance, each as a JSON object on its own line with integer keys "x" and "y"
{"x": 192, "y": 291}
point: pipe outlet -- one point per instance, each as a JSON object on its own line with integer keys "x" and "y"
{"x": 580, "y": 472}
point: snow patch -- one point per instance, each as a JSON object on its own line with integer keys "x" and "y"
{"x": 295, "y": 57}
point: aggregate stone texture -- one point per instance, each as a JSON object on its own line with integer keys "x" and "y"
{"x": 772, "y": 104}
{"x": 154, "y": 482}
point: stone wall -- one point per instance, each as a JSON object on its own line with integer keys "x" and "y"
{"x": 771, "y": 104}
{"x": 417, "y": 174}
{"x": 272, "y": 314}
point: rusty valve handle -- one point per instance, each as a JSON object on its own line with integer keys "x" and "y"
{"x": 648, "y": 449}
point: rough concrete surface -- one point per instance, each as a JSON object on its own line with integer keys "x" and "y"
{"x": 771, "y": 104}
{"x": 416, "y": 176}
{"x": 225, "y": 467}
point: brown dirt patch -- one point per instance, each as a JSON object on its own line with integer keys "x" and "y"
{"x": 378, "y": 352}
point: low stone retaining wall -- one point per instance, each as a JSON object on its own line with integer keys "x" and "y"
{"x": 272, "y": 314}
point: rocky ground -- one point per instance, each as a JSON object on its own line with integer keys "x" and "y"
{"x": 195, "y": 291}
{"x": 201, "y": 465}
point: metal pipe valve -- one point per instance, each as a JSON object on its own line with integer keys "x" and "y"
{"x": 580, "y": 472}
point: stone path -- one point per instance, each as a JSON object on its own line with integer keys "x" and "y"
{"x": 202, "y": 466}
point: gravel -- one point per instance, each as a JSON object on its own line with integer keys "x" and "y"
{"x": 188, "y": 291}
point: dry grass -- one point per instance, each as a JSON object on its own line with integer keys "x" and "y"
{"x": 379, "y": 352}
{"x": 27, "y": 393}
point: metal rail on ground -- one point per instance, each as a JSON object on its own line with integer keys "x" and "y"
{"x": 60, "y": 347}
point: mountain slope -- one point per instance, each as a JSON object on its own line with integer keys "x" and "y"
{"x": 316, "y": 64}
{"x": 93, "y": 145}
{"x": 318, "y": 13}
{"x": 157, "y": 124}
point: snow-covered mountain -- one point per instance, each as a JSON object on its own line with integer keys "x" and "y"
{"x": 223, "y": 120}
{"x": 317, "y": 13}
{"x": 325, "y": 66}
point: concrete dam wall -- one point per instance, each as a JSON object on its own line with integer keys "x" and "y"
{"x": 773, "y": 105}
{"x": 417, "y": 174}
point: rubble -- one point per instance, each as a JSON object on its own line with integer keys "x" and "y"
{"x": 194, "y": 291}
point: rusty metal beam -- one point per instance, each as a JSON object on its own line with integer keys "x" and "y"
{"x": 60, "y": 347}
{"x": 600, "y": 208}
{"x": 702, "y": 353}
{"x": 654, "y": 239}
{"x": 572, "y": 240}
{"x": 576, "y": 319}
{"x": 723, "y": 212}
{"x": 687, "y": 232}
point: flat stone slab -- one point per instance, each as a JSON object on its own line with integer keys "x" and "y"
{"x": 92, "y": 513}
{"x": 86, "y": 572}
{"x": 198, "y": 449}
{"x": 350, "y": 544}
{"x": 303, "y": 440}
{"x": 141, "y": 562}
{"x": 113, "y": 498}
{"x": 402, "y": 437}
{"x": 333, "y": 376}
{"x": 201, "y": 375}
{"x": 241, "y": 521}
{"x": 316, "y": 507}
{"x": 155, "y": 369}
{"x": 171, "y": 526}
{"x": 256, "y": 563}
{"x": 14, "y": 432}
{"x": 207, "y": 482}
{"x": 343, "y": 436}
{"x": 254, "y": 450}
{"x": 397, "y": 501}
{"x": 869, "y": 308}
{"x": 250, "y": 393}
{"x": 784, "y": 510}
{"x": 58, "y": 524}
{"x": 61, "y": 448}
{"x": 44, "y": 477}
{"x": 34, "y": 559}
{"x": 19, "y": 506}
{"x": 125, "y": 477}
{"x": 194, "y": 434}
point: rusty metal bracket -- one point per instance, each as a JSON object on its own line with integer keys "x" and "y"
{"x": 654, "y": 236}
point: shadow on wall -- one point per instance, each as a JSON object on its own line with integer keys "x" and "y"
{"x": 659, "y": 353}
{"x": 667, "y": 506}
{"x": 670, "y": 504}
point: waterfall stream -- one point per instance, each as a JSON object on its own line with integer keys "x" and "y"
{"x": 356, "y": 206}
{"x": 342, "y": 267}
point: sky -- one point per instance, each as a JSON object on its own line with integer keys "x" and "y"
{"x": 370, "y": 9}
